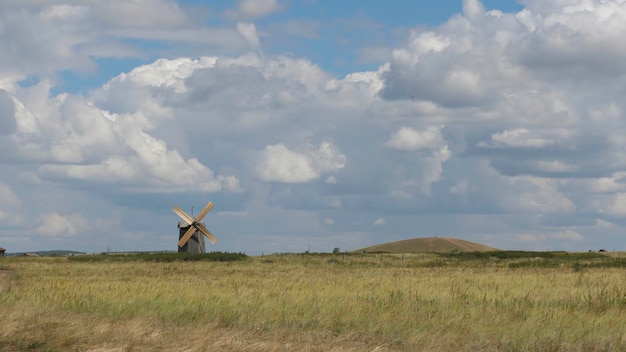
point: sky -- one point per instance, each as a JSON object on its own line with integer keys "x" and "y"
{"x": 311, "y": 124}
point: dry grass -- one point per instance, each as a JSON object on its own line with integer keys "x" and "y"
{"x": 429, "y": 244}
{"x": 314, "y": 304}
{"x": 4, "y": 273}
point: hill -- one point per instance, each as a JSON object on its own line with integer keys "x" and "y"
{"x": 429, "y": 244}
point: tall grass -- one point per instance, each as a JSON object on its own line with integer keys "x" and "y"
{"x": 390, "y": 304}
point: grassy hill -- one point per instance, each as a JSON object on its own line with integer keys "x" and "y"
{"x": 429, "y": 244}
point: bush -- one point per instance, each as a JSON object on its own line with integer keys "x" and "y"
{"x": 161, "y": 257}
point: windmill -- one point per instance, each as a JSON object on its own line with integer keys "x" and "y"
{"x": 191, "y": 230}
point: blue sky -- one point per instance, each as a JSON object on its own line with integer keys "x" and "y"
{"x": 312, "y": 123}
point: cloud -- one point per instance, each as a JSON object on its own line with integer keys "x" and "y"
{"x": 540, "y": 238}
{"x": 555, "y": 166}
{"x": 10, "y": 206}
{"x": 473, "y": 9}
{"x": 8, "y": 197}
{"x": 615, "y": 205}
{"x": 475, "y": 58}
{"x": 379, "y": 222}
{"x": 251, "y": 9}
{"x": 432, "y": 153}
{"x": 568, "y": 39}
{"x": 569, "y": 235}
{"x": 611, "y": 184}
{"x": 520, "y": 138}
{"x": 408, "y": 139}
{"x": 248, "y": 31}
{"x": 23, "y": 51}
{"x": 523, "y": 145}
{"x": 141, "y": 13}
{"x": 56, "y": 225}
{"x": 78, "y": 34}
{"x": 446, "y": 82}
{"x": 8, "y": 124}
{"x": 162, "y": 73}
{"x": 421, "y": 175}
{"x": 331, "y": 180}
{"x": 536, "y": 195}
{"x": 279, "y": 164}
{"x": 242, "y": 88}
{"x": 73, "y": 139}
{"x": 460, "y": 188}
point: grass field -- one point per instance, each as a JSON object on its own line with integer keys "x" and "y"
{"x": 462, "y": 302}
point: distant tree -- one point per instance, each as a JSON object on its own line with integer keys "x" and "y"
{"x": 336, "y": 250}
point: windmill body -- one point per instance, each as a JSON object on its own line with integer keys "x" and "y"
{"x": 195, "y": 244}
{"x": 191, "y": 229}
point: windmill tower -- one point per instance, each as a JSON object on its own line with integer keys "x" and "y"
{"x": 191, "y": 229}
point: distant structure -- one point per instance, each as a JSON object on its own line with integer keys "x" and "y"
{"x": 2, "y": 250}
{"x": 191, "y": 229}
{"x": 195, "y": 244}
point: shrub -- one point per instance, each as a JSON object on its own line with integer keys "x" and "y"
{"x": 161, "y": 257}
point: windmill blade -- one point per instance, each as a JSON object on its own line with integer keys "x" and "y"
{"x": 204, "y": 211}
{"x": 187, "y": 236}
{"x": 188, "y": 219}
{"x": 206, "y": 232}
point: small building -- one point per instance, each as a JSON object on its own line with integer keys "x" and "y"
{"x": 195, "y": 244}
{"x": 2, "y": 250}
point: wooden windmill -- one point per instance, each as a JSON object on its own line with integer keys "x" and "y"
{"x": 191, "y": 230}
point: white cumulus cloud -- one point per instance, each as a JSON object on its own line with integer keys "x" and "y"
{"x": 277, "y": 163}
{"x": 56, "y": 225}
{"x": 408, "y": 139}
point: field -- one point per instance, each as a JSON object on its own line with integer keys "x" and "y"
{"x": 501, "y": 301}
